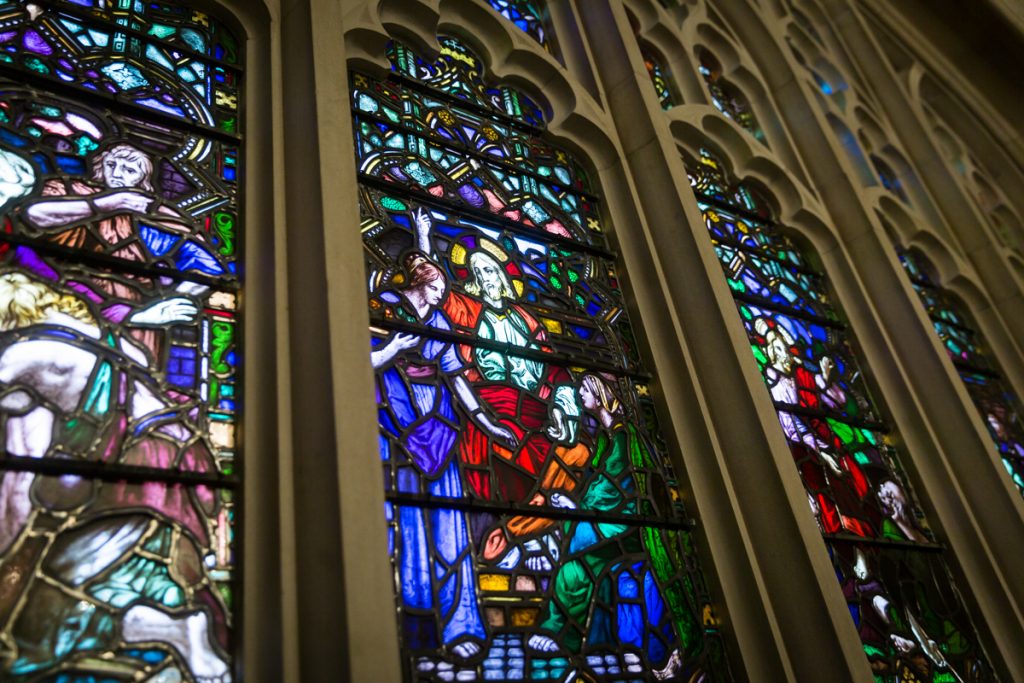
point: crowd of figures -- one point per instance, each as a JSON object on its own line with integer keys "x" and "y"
{"x": 105, "y": 574}
{"x": 474, "y": 421}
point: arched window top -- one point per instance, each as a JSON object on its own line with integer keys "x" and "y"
{"x": 460, "y": 73}
{"x": 853, "y": 149}
{"x": 807, "y": 25}
{"x": 530, "y": 16}
{"x": 890, "y": 180}
{"x": 726, "y": 97}
{"x": 661, "y": 78}
{"x": 997, "y": 403}
{"x": 162, "y": 58}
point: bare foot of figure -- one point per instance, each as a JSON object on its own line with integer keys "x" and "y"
{"x": 542, "y": 643}
{"x": 189, "y": 634}
{"x": 671, "y": 668}
{"x": 466, "y": 650}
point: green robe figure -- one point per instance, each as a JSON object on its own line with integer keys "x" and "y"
{"x": 619, "y": 585}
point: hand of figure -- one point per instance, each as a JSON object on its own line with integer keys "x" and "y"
{"x": 126, "y": 200}
{"x": 423, "y": 221}
{"x": 556, "y": 430}
{"x": 498, "y": 432}
{"x": 538, "y": 499}
{"x": 827, "y": 366}
{"x": 560, "y": 501}
{"x": 403, "y": 341}
{"x": 901, "y": 643}
{"x": 16, "y": 176}
{"x": 832, "y": 462}
{"x": 176, "y": 310}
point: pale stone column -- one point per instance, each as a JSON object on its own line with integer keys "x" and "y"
{"x": 258, "y": 617}
{"x": 947, "y": 450}
{"x": 781, "y": 599}
{"x": 339, "y": 605}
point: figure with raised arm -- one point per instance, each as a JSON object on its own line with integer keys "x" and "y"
{"x": 115, "y": 557}
{"x": 828, "y": 469}
{"x": 516, "y": 389}
{"x": 418, "y": 381}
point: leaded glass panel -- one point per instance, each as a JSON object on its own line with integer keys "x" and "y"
{"x": 911, "y": 620}
{"x": 726, "y": 97}
{"x": 536, "y": 524}
{"x": 120, "y": 372}
{"x": 992, "y": 395}
{"x": 660, "y": 79}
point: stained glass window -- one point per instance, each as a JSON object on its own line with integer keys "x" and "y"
{"x": 911, "y": 621}
{"x": 660, "y": 78}
{"x": 530, "y": 16}
{"x": 536, "y": 524}
{"x": 995, "y": 400}
{"x": 726, "y": 97}
{"x": 890, "y": 180}
{"x": 119, "y": 365}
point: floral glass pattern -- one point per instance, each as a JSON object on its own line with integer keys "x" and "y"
{"x": 997, "y": 403}
{"x": 912, "y": 622}
{"x": 119, "y": 340}
{"x": 536, "y": 524}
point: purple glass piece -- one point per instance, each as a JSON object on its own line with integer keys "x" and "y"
{"x": 8, "y": 35}
{"x": 472, "y": 195}
{"x": 36, "y": 43}
{"x": 65, "y": 64}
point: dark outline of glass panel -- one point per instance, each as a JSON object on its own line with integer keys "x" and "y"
{"x": 227, "y": 280}
{"x": 24, "y": 76}
{"x": 544, "y": 42}
{"x": 426, "y": 199}
{"x": 85, "y": 276}
{"x": 460, "y": 147}
{"x": 484, "y": 217}
{"x": 877, "y": 426}
{"x": 85, "y": 16}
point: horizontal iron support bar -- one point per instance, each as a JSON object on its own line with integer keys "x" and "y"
{"x": 495, "y": 221}
{"x": 519, "y": 509}
{"x": 885, "y": 543}
{"x": 93, "y": 469}
{"x": 761, "y": 302}
{"x": 457, "y": 102}
{"x": 112, "y": 263}
{"x": 555, "y": 357}
{"x": 823, "y": 415}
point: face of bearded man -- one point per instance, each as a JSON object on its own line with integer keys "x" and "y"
{"x": 488, "y": 276}
{"x": 778, "y": 354}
